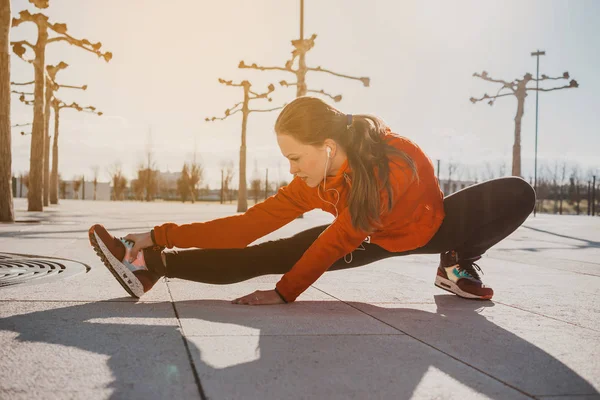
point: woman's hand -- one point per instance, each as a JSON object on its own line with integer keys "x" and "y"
{"x": 260, "y": 297}
{"x": 141, "y": 241}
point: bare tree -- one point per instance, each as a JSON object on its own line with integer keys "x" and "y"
{"x": 77, "y": 182}
{"x": 301, "y": 47}
{"x": 57, "y": 106}
{"x": 563, "y": 175}
{"x": 62, "y": 187}
{"x": 256, "y": 186}
{"x": 95, "y": 171}
{"x": 243, "y": 107}
{"x": 190, "y": 180}
{"x": 183, "y": 183}
{"x": 51, "y": 86}
{"x": 502, "y": 168}
{"x": 119, "y": 182}
{"x": 39, "y": 62}
{"x": 196, "y": 176}
{"x": 452, "y": 168}
{"x": 6, "y": 196}
{"x": 519, "y": 89}
{"x": 574, "y": 187}
{"x": 49, "y": 182}
{"x": 228, "y": 171}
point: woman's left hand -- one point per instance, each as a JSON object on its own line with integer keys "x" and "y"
{"x": 258, "y": 298}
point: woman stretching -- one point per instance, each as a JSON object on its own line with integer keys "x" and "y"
{"x": 379, "y": 186}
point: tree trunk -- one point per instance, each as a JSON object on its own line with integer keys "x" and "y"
{"x": 6, "y": 200}
{"x": 36, "y": 158}
{"x": 47, "y": 142}
{"x": 54, "y": 176}
{"x": 242, "y": 193}
{"x": 560, "y": 193}
{"x": 516, "y": 164}
{"x": 301, "y": 75}
{"x": 578, "y": 199}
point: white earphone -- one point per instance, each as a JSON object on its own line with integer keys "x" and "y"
{"x": 325, "y": 190}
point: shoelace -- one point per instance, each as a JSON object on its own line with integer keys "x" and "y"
{"x": 132, "y": 243}
{"x": 470, "y": 267}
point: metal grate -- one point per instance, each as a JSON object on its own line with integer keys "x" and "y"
{"x": 24, "y": 269}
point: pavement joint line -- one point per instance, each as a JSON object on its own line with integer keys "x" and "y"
{"x": 399, "y": 334}
{"x": 558, "y": 396}
{"x": 187, "y": 348}
{"x": 80, "y": 301}
{"x": 547, "y": 316}
{"x": 528, "y": 262}
{"x": 435, "y": 348}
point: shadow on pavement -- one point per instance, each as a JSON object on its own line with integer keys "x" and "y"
{"x": 586, "y": 243}
{"x": 150, "y": 361}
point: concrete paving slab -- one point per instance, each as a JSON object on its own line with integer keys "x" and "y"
{"x": 92, "y": 350}
{"x": 220, "y": 318}
{"x": 381, "y": 282}
{"x": 336, "y": 367}
{"x": 182, "y": 290}
{"x": 540, "y": 356}
{"x": 556, "y": 293}
{"x": 96, "y": 285}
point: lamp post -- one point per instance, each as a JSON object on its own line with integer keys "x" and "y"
{"x": 536, "y": 54}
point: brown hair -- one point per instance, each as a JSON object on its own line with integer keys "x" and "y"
{"x": 310, "y": 121}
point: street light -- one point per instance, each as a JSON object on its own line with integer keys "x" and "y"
{"x": 536, "y": 54}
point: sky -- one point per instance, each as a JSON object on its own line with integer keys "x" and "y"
{"x": 420, "y": 56}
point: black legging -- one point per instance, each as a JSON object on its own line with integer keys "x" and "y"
{"x": 477, "y": 218}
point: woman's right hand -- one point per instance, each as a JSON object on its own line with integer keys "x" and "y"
{"x": 141, "y": 241}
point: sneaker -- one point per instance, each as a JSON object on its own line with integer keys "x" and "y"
{"x": 135, "y": 277}
{"x": 461, "y": 278}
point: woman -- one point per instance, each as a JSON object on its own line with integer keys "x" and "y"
{"x": 380, "y": 187}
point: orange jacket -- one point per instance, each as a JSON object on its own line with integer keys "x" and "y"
{"x": 417, "y": 213}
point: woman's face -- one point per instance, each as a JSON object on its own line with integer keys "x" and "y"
{"x": 306, "y": 161}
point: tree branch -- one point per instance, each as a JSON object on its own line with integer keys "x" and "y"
{"x": 20, "y": 50}
{"x": 366, "y": 81}
{"x": 565, "y": 75}
{"x": 83, "y": 44}
{"x": 492, "y": 98}
{"x": 572, "y": 84}
{"x": 270, "y": 88}
{"x": 21, "y": 43}
{"x": 17, "y": 125}
{"x": 286, "y": 84}
{"x": 21, "y": 93}
{"x": 22, "y": 84}
{"x": 484, "y": 75}
{"x": 89, "y": 109}
{"x": 254, "y": 66}
{"x": 337, "y": 98}
{"x": 270, "y": 109}
{"x": 25, "y": 101}
{"x": 229, "y": 83}
{"x": 227, "y": 114}
{"x": 84, "y": 87}
{"x": 40, "y": 3}
{"x": 25, "y": 16}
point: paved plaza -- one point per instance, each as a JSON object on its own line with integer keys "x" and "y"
{"x": 382, "y": 331}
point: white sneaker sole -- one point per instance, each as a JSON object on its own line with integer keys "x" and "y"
{"x": 452, "y": 287}
{"x": 122, "y": 274}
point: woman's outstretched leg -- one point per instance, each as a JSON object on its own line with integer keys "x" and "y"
{"x": 223, "y": 266}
